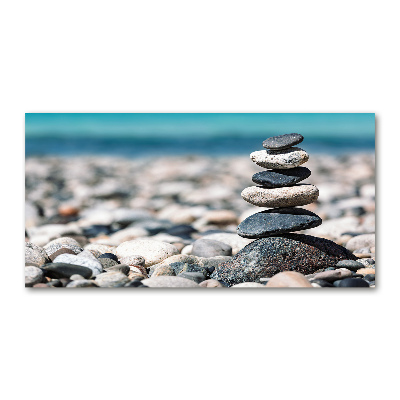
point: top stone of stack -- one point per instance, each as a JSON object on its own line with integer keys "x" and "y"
{"x": 282, "y": 142}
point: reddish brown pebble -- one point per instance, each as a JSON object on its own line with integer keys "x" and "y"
{"x": 68, "y": 211}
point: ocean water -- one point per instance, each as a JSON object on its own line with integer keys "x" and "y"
{"x": 143, "y": 135}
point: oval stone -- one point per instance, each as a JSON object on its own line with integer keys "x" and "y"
{"x": 266, "y": 257}
{"x": 297, "y": 195}
{"x": 64, "y": 270}
{"x": 280, "y": 159}
{"x": 281, "y": 142}
{"x": 275, "y": 178}
{"x": 277, "y": 221}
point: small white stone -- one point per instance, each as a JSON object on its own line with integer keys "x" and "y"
{"x": 280, "y": 159}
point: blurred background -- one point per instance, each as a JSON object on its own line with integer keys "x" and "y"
{"x": 108, "y": 178}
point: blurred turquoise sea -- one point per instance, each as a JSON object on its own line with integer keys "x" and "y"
{"x": 214, "y": 134}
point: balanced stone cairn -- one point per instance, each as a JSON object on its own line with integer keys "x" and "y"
{"x": 278, "y": 188}
{"x": 276, "y": 248}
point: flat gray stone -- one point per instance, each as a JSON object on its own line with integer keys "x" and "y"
{"x": 210, "y": 248}
{"x": 281, "y": 177}
{"x": 93, "y": 264}
{"x": 33, "y": 275}
{"x": 281, "y": 142}
{"x": 112, "y": 279}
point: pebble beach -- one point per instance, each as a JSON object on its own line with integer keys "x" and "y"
{"x": 172, "y": 221}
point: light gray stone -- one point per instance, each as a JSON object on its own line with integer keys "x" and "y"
{"x": 280, "y": 159}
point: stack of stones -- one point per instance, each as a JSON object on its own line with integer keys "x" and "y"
{"x": 279, "y": 189}
{"x": 277, "y": 249}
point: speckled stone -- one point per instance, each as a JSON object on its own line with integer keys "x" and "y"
{"x": 64, "y": 270}
{"x": 33, "y": 275}
{"x": 349, "y": 264}
{"x": 125, "y": 269}
{"x": 281, "y": 142}
{"x": 275, "y": 178}
{"x": 107, "y": 262}
{"x": 133, "y": 260}
{"x": 35, "y": 254}
{"x": 292, "y": 196}
{"x": 269, "y": 256}
{"x": 197, "y": 277}
{"x": 277, "y": 221}
{"x": 280, "y": 159}
{"x": 109, "y": 256}
{"x": 333, "y": 275}
{"x": 112, "y": 279}
{"x": 52, "y": 248}
{"x": 93, "y": 264}
{"x": 163, "y": 270}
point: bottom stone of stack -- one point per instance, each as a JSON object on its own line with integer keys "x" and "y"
{"x": 266, "y": 257}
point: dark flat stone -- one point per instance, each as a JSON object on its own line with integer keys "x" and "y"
{"x": 64, "y": 270}
{"x": 351, "y": 282}
{"x": 109, "y": 255}
{"x": 281, "y": 142}
{"x": 266, "y": 257}
{"x": 275, "y": 178}
{"x": 350, "y": 264}
{"x": 277, "y": 221}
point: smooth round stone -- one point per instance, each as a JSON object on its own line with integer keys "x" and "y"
{"x": 152, "y": 250}
{"x": 266, "y": 257}
{"x": 169, "y": 282}
{"x": 93, "y": 264}
{"x": 210, "y": 283}
{"x": 249, "y": 285}
{"x": 210, "y": 248}
{"x": 60, "y": 243}
{"x": 76, "y": 277}
{"x": 81, "y": 283}
{"x": 359, "y": 241}
{"x": 275, "y": 178}
{"x": 65, "y": 270}
{"x": 112, "y": 279}
{"x": 163, "y": 270}
{"x": 289, "y": 279}
{"x": 197, "y": 277}
{"x": 349, "y": 264}
{"x": 351, "y": 282}
{"x": 277, "y": 221}
{"x": 291, "y": 196}
{"x": 63, "y": 250}
{"x": 133, "y": 260}
{"x": 33, "y": 275}
{"x": 280, "y": 159}
{"x": 110, "y": 256}
{"x": 35, "y": 254}
{"x": 366, "y": 271}
{"x": 232, "y": 239}
{"x": 281, "y": 142}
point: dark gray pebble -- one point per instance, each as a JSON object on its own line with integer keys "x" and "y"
{"x": 110, "y": 256}
{"x": 351, "y": 282}
{"x": 275, "y": 178}
{"x": 352, "y": 265}
{"x": 281, "y": 142}
{"x": 277, "y": 221}
{"x": 63, "y": 270}
{"x": 210, "y": 248}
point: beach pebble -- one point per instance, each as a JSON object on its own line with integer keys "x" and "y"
{"x": 220, "y": 217}
{"x": 367, "y": 262}
{"x": 163, "y": 270}
{"x": 360, "y": 241}
{"x": 281, "y": 142}
{"x": 153, "y": 251}
{"x": 268, "y": 256}
{"x": 35, "y": 254}
{"x": 133, "y": 259}
{"x": 297, "y": 195}
{"x": 277, "y": 221}
{"x": 66, "y": 270}
{"x": 336, "y": 227}
{"x": 93, "y": 264}
{"x": 187, "y": 250}
{"x": 111, "y": 279}
{"x": 169, "y": 282}
{"x": 366, "y": 271}
{"x": 210, "y": 248}
{"x": 351, "y": 282}
{"x": 280, "y": 159}
{"x": 107, "y": 263}
{"x": 333, "y": 275}
{"x": 125, "y": 269}
{"x": 110, "y": 256}
{"x": 370, "y": 277}
{"x": 76, "y": 277}
{"x": 349, "y": 264}
{"x": 197, "y": 277}
{"x": 61, "y": 245}
{"x": 232, "y": 239}
{"x": 81, "y": 283}
{"x": 97, "y": 248}
{"x": 211, "y": 283}
{"x": 288, "y": 279}
{"x": 281, "y": 177}
{"x": 127, "y": 234}
{"x": 33, "y": 275}
{"x": 249, "y": 285}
